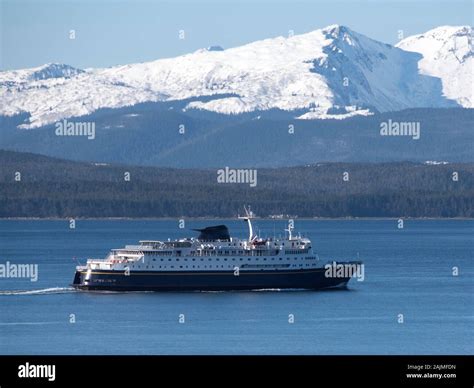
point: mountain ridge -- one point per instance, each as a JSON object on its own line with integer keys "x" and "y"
{"x": 448, "y": 54}
{"x": 332, "y": 72}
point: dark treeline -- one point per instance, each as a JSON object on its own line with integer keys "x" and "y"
{"x": 51, "y": 187}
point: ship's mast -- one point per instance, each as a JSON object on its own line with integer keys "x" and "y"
{"x": 247, "y": 218}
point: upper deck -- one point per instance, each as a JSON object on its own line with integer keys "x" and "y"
{"x": 213, "y": 241}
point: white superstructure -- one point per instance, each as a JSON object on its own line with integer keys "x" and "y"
{"x": 213, "y": 254}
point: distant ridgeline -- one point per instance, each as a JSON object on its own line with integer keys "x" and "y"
{"x": 149, "y": 134}
{"x": 38, "y": 186}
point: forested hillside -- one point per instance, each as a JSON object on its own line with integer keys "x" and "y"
{"x": 37, "y": 186}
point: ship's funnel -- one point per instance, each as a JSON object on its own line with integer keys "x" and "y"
{"x": 218, "y": 232}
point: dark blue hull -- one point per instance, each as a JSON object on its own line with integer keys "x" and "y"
{"x": 313, "y": 279}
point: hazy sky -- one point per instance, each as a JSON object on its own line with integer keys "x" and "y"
{"x": 118, "y": 32}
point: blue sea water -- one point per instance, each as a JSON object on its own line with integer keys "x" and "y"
{"x": 408, "y": 271}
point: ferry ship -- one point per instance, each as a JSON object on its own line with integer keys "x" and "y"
{"x": 213, "y": 261}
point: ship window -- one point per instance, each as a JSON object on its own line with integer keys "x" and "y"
{"x": 217, "y": 259}
{"x": 177, "y": 259}
{"x": 241, "y": 259}
{"x": 194, "y": 259}
{"x": 169, "y": 259}
{"x": 180, "y": 266}
{"x": 225, "y": 259}
{"x": 154, "y": 259}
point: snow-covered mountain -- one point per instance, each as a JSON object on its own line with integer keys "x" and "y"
{"x": 333, "y": 72}
{"x": 448, "y": 54}
{"x": 48, "y": 71}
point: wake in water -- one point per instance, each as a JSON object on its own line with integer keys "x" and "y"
{"x": 66, "y": 290}
{"x": 42, "y": 291}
